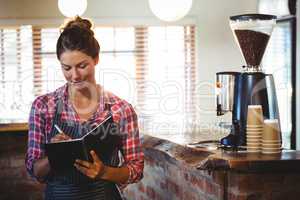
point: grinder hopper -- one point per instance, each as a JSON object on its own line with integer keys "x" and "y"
{"x": 252, "y": 33}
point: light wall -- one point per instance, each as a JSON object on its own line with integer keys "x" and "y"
{"x": 298, "y": 81}
{"x": 217, "y": 50}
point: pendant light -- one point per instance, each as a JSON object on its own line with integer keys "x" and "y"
{"x": 71, "y": 8}
{"x": 170, "y": 10}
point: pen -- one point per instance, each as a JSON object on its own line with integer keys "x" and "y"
{"x": 58, "y": 129}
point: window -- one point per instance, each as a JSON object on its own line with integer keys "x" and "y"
{"x": 170, "y": 85}
{"x": 151, "y": 67}
{"x": 279, "y": 60}
{"x": 16, "y": 73}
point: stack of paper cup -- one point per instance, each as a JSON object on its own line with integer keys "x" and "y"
{"x": 271, "y": 141}
{"x": 254, "y": 128}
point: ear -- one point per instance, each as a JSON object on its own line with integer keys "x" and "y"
{"x": 96, "y": 60}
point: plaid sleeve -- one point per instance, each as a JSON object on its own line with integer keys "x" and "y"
{"x": 35, "y": 148}
{"x": 131, "y": 146}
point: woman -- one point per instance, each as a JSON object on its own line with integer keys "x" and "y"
{"x": 77, "y": 107}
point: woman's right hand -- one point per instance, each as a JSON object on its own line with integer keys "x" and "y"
{"x": 60, "y": 137}
{"x": 41, "y": 168}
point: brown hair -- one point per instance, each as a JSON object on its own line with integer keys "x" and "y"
{"x": 77, "y": 34}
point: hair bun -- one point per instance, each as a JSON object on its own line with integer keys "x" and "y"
{"x": 78, "y": 22}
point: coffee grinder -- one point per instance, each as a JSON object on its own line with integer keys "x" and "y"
{"x": 236, "y": 90}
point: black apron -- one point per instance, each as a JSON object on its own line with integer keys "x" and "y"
{"x": 73, "y": 184}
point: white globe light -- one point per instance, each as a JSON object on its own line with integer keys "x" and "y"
{"x": 71, "y": 8}
{"x": 170, "y": 10}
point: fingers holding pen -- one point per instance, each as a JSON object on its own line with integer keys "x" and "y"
{"x": 60, "y": 137}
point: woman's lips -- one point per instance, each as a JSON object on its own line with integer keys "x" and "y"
{"x": 75, "y": 83}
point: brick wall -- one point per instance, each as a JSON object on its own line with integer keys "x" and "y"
{"x": 168, "y": 179}
{"x": 14, "y": 181}
{"x": 263, "y": 186}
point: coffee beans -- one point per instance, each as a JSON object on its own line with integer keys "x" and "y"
{"x": 253, "y": 45}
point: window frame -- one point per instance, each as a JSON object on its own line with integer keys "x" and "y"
{"x": 292, "y": 20}
{"x": 40, "y": 27}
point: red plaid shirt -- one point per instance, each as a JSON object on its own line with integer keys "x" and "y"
{"x": 40, "y": 124}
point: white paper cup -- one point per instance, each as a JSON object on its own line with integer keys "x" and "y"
{"x": 267, "y": 152}
{"x": 258, "y": 136}
{"x": 257, "y": 139}
{"x": 271, "y": 130}
{"x": 254, "y": 133}
{"x": 271, "y": 145}
{"x": 253, "y": 147}
{"x": 254, "y": 126}
{"x": 253, "y": 151}
{"x": 271, "y": 141}
{"x": 255, "y": 130}
{"x": 252, "y": 143}
{"x": 254, "y": 115}
{"x": 271, "y": 148}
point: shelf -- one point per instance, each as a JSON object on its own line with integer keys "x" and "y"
{"x": 13, "y": 127}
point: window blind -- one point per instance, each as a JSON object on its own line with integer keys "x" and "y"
{"x": 16, "y": 73}
{"x": 116, "y": 69}
{"x": 169, "y": 86}
{"x": 277, "y": 61}
{"x": 37, "y": 61}
{"x": 152, "y": 67}
{"x": 52, "y": 76}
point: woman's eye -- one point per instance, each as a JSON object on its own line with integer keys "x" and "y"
{"x": 82, "y": 66}
{"x": 67, "y": 68}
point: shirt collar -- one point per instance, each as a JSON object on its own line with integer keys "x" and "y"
{"x": 105, "y": 97}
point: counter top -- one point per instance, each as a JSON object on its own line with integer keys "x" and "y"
{"x": 287, "y": 160}
{"x": 203, "y": 159}
{"x": 13, "y": 127}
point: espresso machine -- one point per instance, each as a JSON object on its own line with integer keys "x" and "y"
{"x": 251, "y": 86}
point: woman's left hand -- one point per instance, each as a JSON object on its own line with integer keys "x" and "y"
{"x": 93, "y": 170}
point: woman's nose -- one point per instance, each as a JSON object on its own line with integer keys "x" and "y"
{"x": 75, "y": 73}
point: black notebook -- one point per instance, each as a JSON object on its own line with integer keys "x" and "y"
{"x": 104, "y": 139}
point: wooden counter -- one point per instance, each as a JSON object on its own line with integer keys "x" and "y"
{"x": 288, "y": 160}
{"x": 13, "y": 127}
{"x": 178, "y": 172}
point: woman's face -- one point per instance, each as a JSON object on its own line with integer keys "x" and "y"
{"x": 78, "y": 68}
